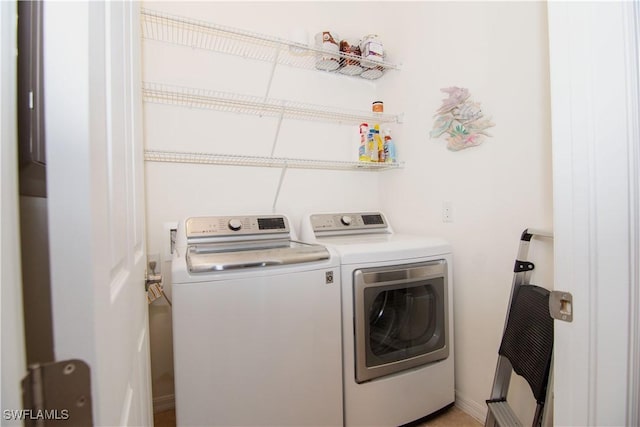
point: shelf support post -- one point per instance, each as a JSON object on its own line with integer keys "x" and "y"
{"x": 275, "y": 199}
{"x": 275, "y": 139}
{"x": 273, "y": 71}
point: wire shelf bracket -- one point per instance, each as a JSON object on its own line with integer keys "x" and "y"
{"x": 244, "y": 104}
{"x": 267, "y": 162}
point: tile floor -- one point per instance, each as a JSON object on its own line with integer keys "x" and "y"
{"x": 451, "y": 417}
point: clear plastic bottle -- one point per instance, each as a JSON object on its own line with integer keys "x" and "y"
{"x": 390, "y": 155}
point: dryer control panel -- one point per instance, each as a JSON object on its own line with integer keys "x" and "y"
{"x": 346, "y": 222}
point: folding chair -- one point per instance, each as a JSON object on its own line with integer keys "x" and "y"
{"x": 527, "y": 342}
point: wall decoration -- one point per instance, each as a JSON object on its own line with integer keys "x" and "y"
{"x": 461, "y": 119}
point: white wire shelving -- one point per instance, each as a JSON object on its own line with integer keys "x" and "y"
{"x": 181, "y": 31}
{"x": 163, "y": 27}
{"x": 260, "y": 161}
{"x": 231, "y": 102}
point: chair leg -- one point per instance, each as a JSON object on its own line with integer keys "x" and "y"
{"x": 537, "y": 418}
{"x": 490, "y": 421}
{"x": 547, "y": 416}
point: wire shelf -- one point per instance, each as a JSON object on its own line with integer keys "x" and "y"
{"x": 267, "y": 162}
{"x": 194, "y": 33}
{"x": 232, "y": 102}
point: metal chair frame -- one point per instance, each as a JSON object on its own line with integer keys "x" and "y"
{"x": 499, "y": 412}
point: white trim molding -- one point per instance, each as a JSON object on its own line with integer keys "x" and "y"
{"x": 12, "y": 344}
{"x": 594, "y": 94}
{"x": 471, "y": 407}
{"x": 632, "y": 31}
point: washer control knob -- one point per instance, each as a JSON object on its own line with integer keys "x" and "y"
{"x": 235, "y": 224}
{"x": 346, "y": 220}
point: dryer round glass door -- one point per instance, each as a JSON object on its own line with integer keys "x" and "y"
{"x": 400, "y": 318}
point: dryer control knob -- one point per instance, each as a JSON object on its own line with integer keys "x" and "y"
{"x": 346, "y": 220}
{"x": 235, "y": 224}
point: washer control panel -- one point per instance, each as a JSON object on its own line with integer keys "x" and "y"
{"x": 222, "y": 226}
{"x": 348, "y": 221}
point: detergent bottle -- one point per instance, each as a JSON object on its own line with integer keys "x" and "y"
{"x": 363, "y": 153}
{"x": 378, "y": 152}
{"x": 372, "y": 146}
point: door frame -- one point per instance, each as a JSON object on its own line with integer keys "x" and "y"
{"x": 596, "y": 130}
{"x": 13, "y": 345}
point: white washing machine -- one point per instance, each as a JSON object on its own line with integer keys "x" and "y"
{"x": 256, "y": 325}
{"x": 397, "y": 321}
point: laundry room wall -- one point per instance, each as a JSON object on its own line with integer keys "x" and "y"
{"x": 497, "y": 50}
{"x": 175, "y": 191}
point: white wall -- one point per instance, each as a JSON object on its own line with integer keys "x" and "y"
{"x": 175, "y": 191}
{"x": 497, "y": 50}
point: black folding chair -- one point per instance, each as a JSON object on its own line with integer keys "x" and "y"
{"x": 527, "y": 343}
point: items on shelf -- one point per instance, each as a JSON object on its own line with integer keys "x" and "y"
{"x": 389, "y": 147}
{"x": 373, "y": 148}
{"x": 178, "y": 30}
{"x": 193, "y": 33}
{"x": 371, "y": 48}
{"x": 363, "y": 151}
{"x": 377, "y": 154}
{"x": 364, "y": 58}
{"x": 328, "y": 59}
{"x": 348, "y": 65}
{"x": 373, "y": 56}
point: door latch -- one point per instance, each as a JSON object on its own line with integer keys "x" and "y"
{"x": 153, "y": 284}
{"x": 150, "y": 276}
{"x": 561, "y": 305}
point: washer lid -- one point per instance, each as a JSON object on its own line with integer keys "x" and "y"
{"x": 358, "y": 249}
{"x": 214, "y": 257}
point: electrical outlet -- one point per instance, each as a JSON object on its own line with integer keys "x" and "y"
{"x": 447, "y": 211}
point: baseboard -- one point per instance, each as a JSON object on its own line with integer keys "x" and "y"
{"x": 164, "y": 403}
{"x": 471, "y": 407}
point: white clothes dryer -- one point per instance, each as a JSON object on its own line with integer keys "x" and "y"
{"x": 397, "y": 322}
{"x": 256, "y": 325}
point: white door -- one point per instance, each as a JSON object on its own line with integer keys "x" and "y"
{"x": 12, "y": 344}
{"x": 96, "y": 202}
{"x": 596, "y": 160}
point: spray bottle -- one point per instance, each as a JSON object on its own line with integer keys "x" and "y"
{"x": 390, "y": 155}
